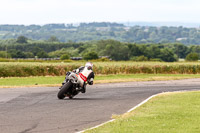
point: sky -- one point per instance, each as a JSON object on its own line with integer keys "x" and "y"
{"x": 75, "y": 11}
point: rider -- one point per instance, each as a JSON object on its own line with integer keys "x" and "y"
{"x": 88, "y": 74}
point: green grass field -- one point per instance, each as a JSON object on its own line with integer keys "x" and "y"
{"x": 177, "y": 112}
{"x": 57, "y": 80}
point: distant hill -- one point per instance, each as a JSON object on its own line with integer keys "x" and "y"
{"x": 159, "y": 24}
{"x": 125, "y": 32}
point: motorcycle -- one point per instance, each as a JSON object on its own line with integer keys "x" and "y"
{"x": 72, "y": 85}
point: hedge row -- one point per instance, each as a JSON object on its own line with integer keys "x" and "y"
{"x": 25, "y": 71}
{"x": 57, "y": 70}
{"x": 181, "y": 69}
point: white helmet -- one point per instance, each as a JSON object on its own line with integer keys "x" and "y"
{"x": 89, "y": 65}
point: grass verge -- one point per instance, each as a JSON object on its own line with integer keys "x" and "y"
{"x": 57, "y": 80}
{"x": 167, "y": 113}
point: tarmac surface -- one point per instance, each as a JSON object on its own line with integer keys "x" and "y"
{"x": 37, "y": 109}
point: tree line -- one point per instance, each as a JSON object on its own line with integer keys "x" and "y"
{"x": 103, "y": 31}
{"x": 22, "y": 47}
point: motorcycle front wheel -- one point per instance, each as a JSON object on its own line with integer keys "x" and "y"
{"x": 65, "y": 88}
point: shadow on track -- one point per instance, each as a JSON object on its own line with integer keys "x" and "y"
{"x": 77, "y": 99}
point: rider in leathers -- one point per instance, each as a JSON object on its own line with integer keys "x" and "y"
{"x": 90, "y": 76}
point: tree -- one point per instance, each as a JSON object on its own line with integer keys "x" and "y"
{"x": 153, "y": 51}
{"x": 167, "y": 55}
{"x": 192, "y": 57}
{"x": 22, "y": 39}
{"x": 65, "y": 57}
{"x": 4, "y": 54}
{"x": 90, "y": 56}
{"x": 180, "y": 50}
{"x": 39, "y": 52}
{"x": 13, "y": 53}
{"x": 81, "y": 49}
{"x": 115, "y": 50}
{"x": 42, "y": 54}
{"x": 53, "y": 39}
{"x": 20, "y": 54}
{"x": 194, "y": 49}
{"x": 16, "y": 53}
{"x": 29, "y": 55}
{"x": 134, "y": 50}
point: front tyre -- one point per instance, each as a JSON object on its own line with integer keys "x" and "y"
{"x": 65, "y": 88}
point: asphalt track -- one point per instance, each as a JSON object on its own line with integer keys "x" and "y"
{"x": 35, "y": 110}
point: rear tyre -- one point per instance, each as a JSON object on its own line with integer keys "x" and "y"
{"x": 65, "y": 88}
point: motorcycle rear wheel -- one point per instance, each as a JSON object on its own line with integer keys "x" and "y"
{"x": 65, "y": 88}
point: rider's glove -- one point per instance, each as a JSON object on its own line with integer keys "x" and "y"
{"x": 90, "y": 83}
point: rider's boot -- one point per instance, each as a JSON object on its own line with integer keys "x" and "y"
{"x": 83, "y": 90}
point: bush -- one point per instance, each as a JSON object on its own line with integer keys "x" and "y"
{"x": 4, "y": 60}
{"x": 103, "y": 59}
{"x": 90, "y": 56}
{"x": 192, "y": 57}
{"x": 4, "y": 54}
{"x": 65, "y": 57}
{"x": 139, "y": 58}
{"x": 22, "y": 70}
{"x": 156, "y": 60}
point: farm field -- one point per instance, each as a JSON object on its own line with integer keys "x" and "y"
{"x": 25, "y": 69}
{"x": 169, "y": 112}
{"x": 52, "y": 74}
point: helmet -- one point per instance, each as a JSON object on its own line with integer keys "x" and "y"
{"x": 89, "y": 65}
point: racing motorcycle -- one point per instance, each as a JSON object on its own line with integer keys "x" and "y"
{"x": 72, "y": 85}
{"x": 75, "y": 82}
